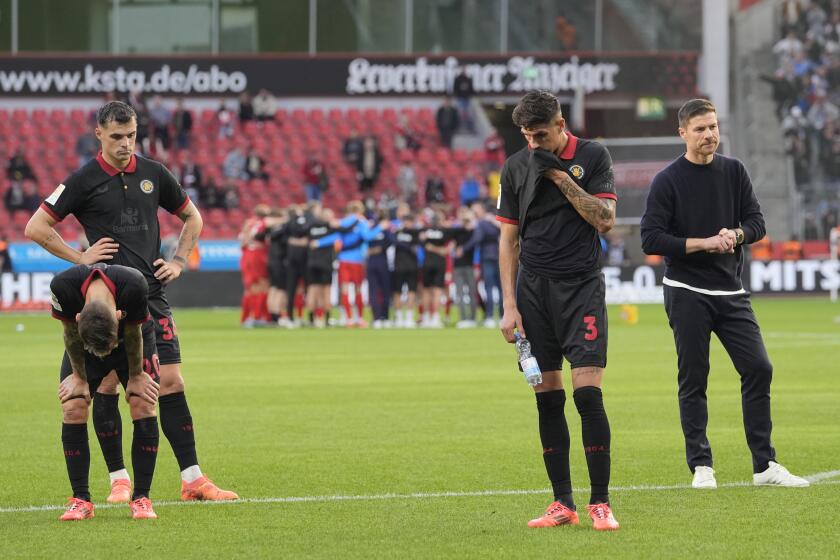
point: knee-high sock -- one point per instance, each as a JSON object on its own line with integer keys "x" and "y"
{"x": 74, "y": 439}
{"x": 107, "y": 424}
{"x": 177, "y": 426}
{"x": 348, "y": 309}
{"x": 144, "y": 450}
{"x": 554, "y": 435}
{"x": 246, "y": 307}
{"x": 360, "y": 304}
{"x": 596, "y": 441}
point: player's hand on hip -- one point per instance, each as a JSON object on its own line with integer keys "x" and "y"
{"x": 72, "y": 387}
{"x": 168, "y": 270}
{"x": 143, "y": 387}
{"x": 102, "y": 250}
{"x": 511, "y": 321}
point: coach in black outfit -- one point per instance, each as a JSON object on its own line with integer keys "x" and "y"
{"x": 700, "y": 211}
{"x": 556, "y": 196}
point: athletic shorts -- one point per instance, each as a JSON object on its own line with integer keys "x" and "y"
{"x": 353, "y": 273}
{"x": 277, "y": 275}
{"x": 96, "y": 368}
{"x": 254, "y": 267}
{"x": 166, "y": 335}
{"x": 434, "y": 274}
{"x": 319, "y": 276}
{"x": 564, "y": 319}
{"x": 404, "y": 277}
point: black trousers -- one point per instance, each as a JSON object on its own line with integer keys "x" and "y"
{"x": 693, "y": 317}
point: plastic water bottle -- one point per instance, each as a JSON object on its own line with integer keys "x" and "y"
{"x": 527, "y": 361}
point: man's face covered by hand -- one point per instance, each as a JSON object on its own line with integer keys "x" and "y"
{"x": 549, "y": 136}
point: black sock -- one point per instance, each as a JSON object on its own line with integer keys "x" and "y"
{"x": 144, "y": 449}
{"x": 74, "y": 439}
{"x": 554, "y": 435}
{"x": 596, "y": 441}
{"x": 177, "y": 426}
{"x": 107, "y": 424}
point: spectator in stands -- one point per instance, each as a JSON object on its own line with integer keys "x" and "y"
{"x": 161, "y": 119}
{"x": 230, "y": 197}
{"x": 352, "y": 149}
{"x": 494, "y": 150}
{"x": 494, "y": 184}
{"x": 182, "y": 122}
{"x": 265, "y": 106}
{"x": 14, "y": 197}
{"x": 210, "y": 195}
{"x": 138, "y": 103}
{"x": 405, "y": 137}
{"x": 369, "y": 165}
{"x": 31, "y": 199}
{"x": 435, "y": 189}
{"x": 18, "y": 168}
{"x": 190, "y": 176}
{"x": 246, "y": 108}
{"x": 784, "y": 91}
{"x": 224, "y": 117}
{"x": 789, "y": 47}
{"x": 407, "y": 182}
{"x": 314, "y": 179}
{"x": 87, "y": 146}
{"x": 255, "y": 165}
{"x": 447, "y": 122}
{"x": 822, "y": 111}
{"x": 234, "y": 165}
{"x": 470, "y": 191}
{"x": 462, "y": 91}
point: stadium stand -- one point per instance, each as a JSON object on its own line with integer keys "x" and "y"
{"x": 47, "y": 139}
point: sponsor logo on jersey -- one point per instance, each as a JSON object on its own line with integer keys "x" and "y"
{"x": 577, "y": 171}
{"x": 147, "y": 186}
{"x": 130, "y": 221}
{"x": 53, "y": 198}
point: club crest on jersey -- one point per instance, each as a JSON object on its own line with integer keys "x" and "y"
{"x": 147, "y": 186}
{"x": 577, "y": 171}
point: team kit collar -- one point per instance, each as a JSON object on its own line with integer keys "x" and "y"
{"x": 571, "y": 146}
{"x": 111, "y": 170}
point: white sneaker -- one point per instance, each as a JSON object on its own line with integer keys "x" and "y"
{"x": 465, "y": 324}
{"x": 777, "y": 475}
{"x": 377, "y": 324}
{"x": 704, "y": 478}
{"x": 489, "y": 324}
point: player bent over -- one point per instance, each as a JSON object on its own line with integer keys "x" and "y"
{"x": 107, "y": 328}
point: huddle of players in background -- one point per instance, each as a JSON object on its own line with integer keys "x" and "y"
{"x": 289, "y": 258}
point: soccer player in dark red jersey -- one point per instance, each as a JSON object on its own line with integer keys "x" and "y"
{"x": 107, "y": 331}
{"x": 557, "y": 195}
{"x": 116, "y": 197}
{"x": 254, "y": 268}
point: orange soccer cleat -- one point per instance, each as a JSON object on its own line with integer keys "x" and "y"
{"x": 77, "y": 509}
{"x": 141, "y": 508}
{"x": 120, "y": 491}
{"x": 602, "y": 517}
{"x": 556, "y": 514}
{"x": 204, "y": 489}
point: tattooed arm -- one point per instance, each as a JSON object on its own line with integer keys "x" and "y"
{"x": 598, "y": 212}
{"x": 40, "y": 229}
{"x": 169, "y": 271}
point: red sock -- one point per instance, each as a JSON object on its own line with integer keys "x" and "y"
{"x": 299, "y": 304}
{"x": 262, "y": 307}
{"x": 345, "y": 303}
{"x": 246, "y": 307}
{"x": 319, "y": 312}
{"x": 360, "y": 305}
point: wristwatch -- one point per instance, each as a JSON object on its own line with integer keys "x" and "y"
{"x": 739, "y": 236}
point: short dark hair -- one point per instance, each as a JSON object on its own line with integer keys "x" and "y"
{"x": 693, "y": 108}
{"x": 536, "y": 108}
{"x": 115, "y": 111}
{"x": 98, "y": 328}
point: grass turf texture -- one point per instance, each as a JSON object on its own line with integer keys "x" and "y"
{"x": 370, "y": 413}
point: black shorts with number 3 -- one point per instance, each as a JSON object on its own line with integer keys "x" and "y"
{"x": 564, "y": 319}
{"x": 169, "y": 349}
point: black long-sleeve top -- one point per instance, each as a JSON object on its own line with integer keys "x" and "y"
{"x": 689, "y": 200}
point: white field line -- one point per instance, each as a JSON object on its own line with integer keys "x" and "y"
{"x": 817, "y": 478}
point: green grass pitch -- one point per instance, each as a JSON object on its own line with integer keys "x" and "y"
{"x": 430, "y": 438}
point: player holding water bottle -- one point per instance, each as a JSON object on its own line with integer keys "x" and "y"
{"x": 556, "y": 196}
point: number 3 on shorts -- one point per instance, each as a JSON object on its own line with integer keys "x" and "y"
{"x": 591, "y": 329}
